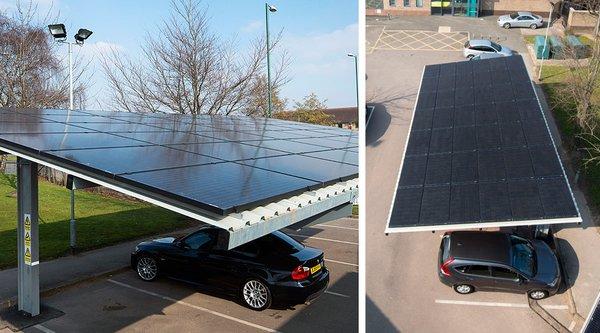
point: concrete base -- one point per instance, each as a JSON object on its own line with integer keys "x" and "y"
{"x": 16, "y": 320}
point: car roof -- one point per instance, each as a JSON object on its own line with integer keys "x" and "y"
{"x": 524, "y": 13}
{"x": 482, "y": 42}
{"x": 481, "y": 246}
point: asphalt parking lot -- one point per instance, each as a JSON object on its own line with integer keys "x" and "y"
{"x": 403, "y": 291}
{"x": 123, "y": 302}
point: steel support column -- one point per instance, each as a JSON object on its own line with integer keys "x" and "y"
{"x": 27, "y": 238}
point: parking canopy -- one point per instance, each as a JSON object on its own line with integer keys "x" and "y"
{"x": 232, "y": 172}
{"x": 479, "y": 153}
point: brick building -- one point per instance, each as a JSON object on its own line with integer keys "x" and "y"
{"x": 471, "y": 8}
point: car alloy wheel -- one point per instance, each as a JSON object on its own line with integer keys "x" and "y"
{"x": 533, "y": 26}
{"x": 147, "y": 268}
{"x": 538, "y": 294}
{"x": 463, "y": 289}
{"x": 506, "y": 25}
{"x": 470, "y": 56}
{"x": 256, "y": 295}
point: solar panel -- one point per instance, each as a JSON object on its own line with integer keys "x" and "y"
{"x": 209, "y": 163}
{"x": 479, "y": 153}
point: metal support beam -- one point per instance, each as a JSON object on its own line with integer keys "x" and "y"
{"x": 72, "y": 224}
{"x": 27, "y": 238}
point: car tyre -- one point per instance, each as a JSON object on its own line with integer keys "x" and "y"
{"x": 506, "y": 25}
{"x": 533, "y": 26}
{"x": 464, "y": 289}
{"x": 537, "y": 294}
{"x": 256, "y": 294}
{"x": 147, "y": 268}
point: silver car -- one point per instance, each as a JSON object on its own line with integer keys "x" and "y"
{"x": 475, "y": 47}
{"x": 520, "y": 20}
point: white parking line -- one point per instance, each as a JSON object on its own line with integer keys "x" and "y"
{"x": 241, "y": 321}
{"x": 572, "y": 326}
{"x": 341, "y": 262}
{"x": 336, "y": 294}
{"x": 334, "y": 226}
{"x": 43, "y": 328}
{"x": 497, "y": 304}
{"x": 324, "y": 239}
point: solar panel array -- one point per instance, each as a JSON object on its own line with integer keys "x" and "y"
{"x": 593, "y": 326}
{"x": 215, "y": 163}
{"x": 479, "y": 150}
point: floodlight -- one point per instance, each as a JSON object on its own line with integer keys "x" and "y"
{"x": 58, "y": 31}
{"x": 82, "y": 35}
{"x": 272, "y": 8}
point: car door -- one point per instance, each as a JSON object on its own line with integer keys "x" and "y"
{"x": 525, "y": 21}
{"x": 506, "y": 279}
{"x": 479, "y": 276}
{"x": 488, "y": 49}
{"x": 192, "y": 261}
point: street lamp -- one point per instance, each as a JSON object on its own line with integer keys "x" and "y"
{"x": 355, "y": 74}
{"x": 272, "y": 9}
{"x": 546, "y": 40}
{"x": 59, "y": 32}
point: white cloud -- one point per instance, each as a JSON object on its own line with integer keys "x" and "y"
{"x": 318, "y": 46}
{"x": 252, "y": 26}
{"x": 320, "y": 64}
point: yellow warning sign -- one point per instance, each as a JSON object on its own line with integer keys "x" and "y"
{"x": 27, "y": 238}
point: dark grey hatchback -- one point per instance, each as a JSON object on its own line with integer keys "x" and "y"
{"x": 479, "y": 260}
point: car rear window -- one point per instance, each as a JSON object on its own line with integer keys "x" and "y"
{"x": 445, "y": 247}
{"x": 496, "y": 47}
{"x": 280, "y": 243}
{"x": 514, "y": 16}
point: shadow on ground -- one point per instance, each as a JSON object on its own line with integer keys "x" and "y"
{"x": 376, "y": 321}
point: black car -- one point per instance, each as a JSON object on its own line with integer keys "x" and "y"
{"x": 274, "y": 267}
{"x": 479, "y": 260}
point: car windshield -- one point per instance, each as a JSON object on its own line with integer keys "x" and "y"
{"x": 496, "y": 47}
{"x": 523, "y": 256}
{"x": 514, "y": 16}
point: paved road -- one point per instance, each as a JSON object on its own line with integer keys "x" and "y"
{"x": 125, "y": 303}
{"x": 403, "y": 293}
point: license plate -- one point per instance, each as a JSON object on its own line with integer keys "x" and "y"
{"x": 315, "y": 269}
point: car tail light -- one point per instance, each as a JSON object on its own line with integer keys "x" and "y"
{"x": 444, "y": 268}
{"x": 300, "y": 273}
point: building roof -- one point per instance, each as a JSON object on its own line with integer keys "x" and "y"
{"x": 343, "y": 115}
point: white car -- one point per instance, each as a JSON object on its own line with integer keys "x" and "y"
{"x": 475, "y": 47}
{"x": 520, "y": 20}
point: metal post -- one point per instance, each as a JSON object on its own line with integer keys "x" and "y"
{"x": 268, "y": 62}
{"x": 27, "y": 238}
{"x": 72, "y": 225}
{"x": 546, "y": 40}
{"x": 70, "y": 76}
{"x": 356, "y": 77}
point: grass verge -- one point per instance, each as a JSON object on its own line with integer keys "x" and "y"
{"x": 101, "y": 221}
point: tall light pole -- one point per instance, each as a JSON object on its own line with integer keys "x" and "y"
{"x": 546, "y": 40}
{"x": 59, "y": 32}
{"x": 272, "y": 9}
{"x": 355, "y": 74}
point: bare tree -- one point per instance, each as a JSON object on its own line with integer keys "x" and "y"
{"x": 31, "y": 73}
{"x": 188, "y": 69}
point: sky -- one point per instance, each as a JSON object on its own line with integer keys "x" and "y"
{"x": 318, "y": 34}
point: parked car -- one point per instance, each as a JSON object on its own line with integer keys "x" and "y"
{"x": 520, "y": 20}
{"x": 479, "y": 260}
{"x": 475, "y": 47}
{"x": 272, "y": 268}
